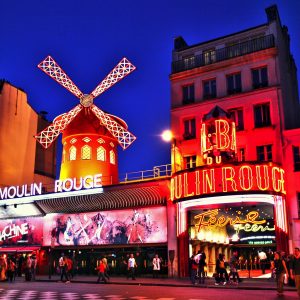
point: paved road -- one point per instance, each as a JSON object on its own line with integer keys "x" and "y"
{"x": 72, "y": 291}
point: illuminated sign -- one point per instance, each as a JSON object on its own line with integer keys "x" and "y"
{"x": 130, "y": 226}
{"x": 235, "y": 224}
{"x": 27, "y": 231}
{"x": 11, "y": 231}
{"x": 66, "y": 185}
{"x": 227, "y": 179}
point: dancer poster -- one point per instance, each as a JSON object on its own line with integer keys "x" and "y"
{"x": 130, "y": 226}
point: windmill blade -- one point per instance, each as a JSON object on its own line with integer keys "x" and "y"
{"x": 122, "y": 69}
{"x": 51, "y": 68}
{"x": 124, "y": 137}
{"x": 50, "y": 133}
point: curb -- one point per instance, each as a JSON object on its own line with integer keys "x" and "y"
{"x": 189, "y": 285}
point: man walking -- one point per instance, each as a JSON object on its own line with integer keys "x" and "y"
{"x": 131, "y": 267}
{"x": 295, "y": 269}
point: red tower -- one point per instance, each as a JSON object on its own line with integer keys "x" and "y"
{"x": 90, "y": 136}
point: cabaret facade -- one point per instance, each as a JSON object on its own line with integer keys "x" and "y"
{"x": 235, "y": 121}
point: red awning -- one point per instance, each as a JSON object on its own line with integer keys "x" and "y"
{"x": 18, "y": 249}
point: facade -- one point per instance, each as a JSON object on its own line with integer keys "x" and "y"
{"x": 248, "y": 77}
{"x": 19, "y": 152}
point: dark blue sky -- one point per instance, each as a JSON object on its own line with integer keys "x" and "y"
{"x": 88, "y": 38}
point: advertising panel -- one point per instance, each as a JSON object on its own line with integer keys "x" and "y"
{"x": 21, "y": 232}
{"x": 241, "y": 225}
{"x": 130, "y": 226}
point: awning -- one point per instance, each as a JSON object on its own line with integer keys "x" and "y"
{"x": 19, "y": 249}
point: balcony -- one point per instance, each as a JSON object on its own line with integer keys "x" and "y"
{"x": 240, "y": 49}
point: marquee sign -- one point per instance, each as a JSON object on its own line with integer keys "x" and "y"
{"x": 247, "y": 225}
{"x": 228, "y": 179}
{"x": 65, "y": 185}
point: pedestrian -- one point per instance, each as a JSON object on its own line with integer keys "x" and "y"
{"x": 280, "y": 269}
{"x": 194, "y": 269}
{"x": 101, "y": 272}
{"x": 295, "y": 269}
{"x": 11, "y": 268}
{"x": 104, "y": 259}
{"x": 62, "y": 262}
{"x": 262, "y": 260}
{"x": 131, "y": 265}
{"x": 201, "y": 270}
{"x": 233, "y": 267}
{"x": 69, "y": 267}
{"x": 33, "y": 266}
{"x": 3, "y": 267}
{"x": 27, "y": 267}
{"x": 222, "y": 277}
{"x": 156, "y": 262}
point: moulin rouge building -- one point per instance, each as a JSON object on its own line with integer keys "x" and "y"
{"x": 235, "y": 162}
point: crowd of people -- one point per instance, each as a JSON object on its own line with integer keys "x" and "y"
{"x": 13, "y": 266}
{"x": 284, "y": 268}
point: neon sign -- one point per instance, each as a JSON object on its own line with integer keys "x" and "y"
{"x": 222, "y": 221}
{"x": 227, "y": 179}
{"x": 65, "y": 185}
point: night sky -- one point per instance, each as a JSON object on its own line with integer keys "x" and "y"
{"x": 88, "y": 38}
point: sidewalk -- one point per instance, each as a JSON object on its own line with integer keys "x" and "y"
{"x": 247, "y": 283}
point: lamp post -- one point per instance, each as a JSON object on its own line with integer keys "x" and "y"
{"x": 168, "y": 136}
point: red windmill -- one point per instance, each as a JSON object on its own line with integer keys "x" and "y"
{"x": 95, "y": 134}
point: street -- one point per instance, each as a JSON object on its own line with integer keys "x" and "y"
{"x": 76, "y": 291}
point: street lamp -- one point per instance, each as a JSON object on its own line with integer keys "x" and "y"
{"x": 168, "y": 136}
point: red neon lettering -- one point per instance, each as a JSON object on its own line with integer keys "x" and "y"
{"x": 228, "y": 176}
{"x": 222, "y": 138}
{"x": 246, "y": 178}
{"x": 209, "y": 181}
{"x": 186, "y": 186}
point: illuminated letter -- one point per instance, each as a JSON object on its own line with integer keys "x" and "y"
{"x": 209, "y": 180}
{"x": 209, "y": 160}
{"x": 197, "y": 182}
{"x": 226, "y": 178}
{"x": 36, "y": 189}
{"x": 3, "y": 193}
{"x": 264, "y": 177}
{"x": 19, "y": 195}
{"x": 57, "y": 186}
{"x": 88, "y": 182}
{"x": 98, "y": 180}
{"x": 233, "y": 137}
{"x": 246, "y": 178}
{"x": 177, "y": 187}
{"x": 222, "y": 138}
{"x": 67, "y": 187}
{"x": 218, "y": 159}
{"x": 278, "y": 183}
{"x": 14, "y": 192}
{"x": 186, "y": 186}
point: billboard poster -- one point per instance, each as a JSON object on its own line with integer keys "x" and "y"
{"x": 252, "y": 225}
{"x": 128, "y": 226}
{"x": 21, "y": 232}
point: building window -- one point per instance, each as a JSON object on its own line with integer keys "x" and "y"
{"x": 189, "y": 62}
{"x": 190, "y": 162}
{"x": 262, "y": 116}
{"x": 237, "y": 116}
{"x": 72, "y": 153}
{"x": 189, "y": 129}
{"x": 188, "y": 94}
{"x": 241, "y": 154}
{"x": 260, "y": 77}
{"x": 234, "y": 84}
{"x": 296, "y": 153}
{"x": 112, "y": 157}
{"x": 209, "y": 56}
{"x": 209, "y": 89}
{"x": 86, "y": 152}
{"x": 101, "y": 153}
{"x": 264, "y": 153}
